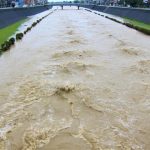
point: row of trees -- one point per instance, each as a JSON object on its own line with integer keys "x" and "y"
{"x": 134, "y": 3}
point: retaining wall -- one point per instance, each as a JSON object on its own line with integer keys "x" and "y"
{"x": 9, "y": 16}
{"x": 132, "y": 13}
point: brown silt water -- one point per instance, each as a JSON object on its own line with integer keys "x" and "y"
{"x": 77, "y": 81}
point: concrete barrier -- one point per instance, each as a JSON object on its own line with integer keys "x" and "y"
{"x": 9, "y": 16}
{"x": 132, "y": 13}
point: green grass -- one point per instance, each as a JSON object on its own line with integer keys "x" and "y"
{"x": 138, "y": 23}
{"x": 143, "y": 27}
{"x": 6, "y": 32}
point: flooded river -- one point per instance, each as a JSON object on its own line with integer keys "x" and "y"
{"x": 77, "y": 81}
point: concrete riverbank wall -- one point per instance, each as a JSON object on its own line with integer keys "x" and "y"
{"x": 132, "y": 13}
{"x": 9, "y": 16}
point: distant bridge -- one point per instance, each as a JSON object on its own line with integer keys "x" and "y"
{"x": 62, "y": 4}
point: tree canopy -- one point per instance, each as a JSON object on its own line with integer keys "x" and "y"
{"x": 132, "y": 3}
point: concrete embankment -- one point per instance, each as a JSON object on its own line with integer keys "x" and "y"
{"x": 139, "y": 14}
{"x": 9, "y": 16}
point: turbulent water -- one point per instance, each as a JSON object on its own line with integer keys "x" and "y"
{"x": 77, "y": 81}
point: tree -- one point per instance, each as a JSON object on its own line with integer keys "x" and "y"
{"x": 76, "y": 1}
{"x": 121, "y": 2}
{"x": 134, "y": 3}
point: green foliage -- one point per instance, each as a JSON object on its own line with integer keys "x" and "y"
{"x": 0, "y": 51}
{"x": 28, "y": 29}
{"x": 34, "y": 24}
{"x": 113, "y": 19}
{"x": 19, "y": 36}
{"x": 76, "y": 1}
{"x": 5, "y": 33}
{"x": 5, "y": 46}
{"x": 135, "y": 3}
{"x": 38, "y": 21}
{"x": 138, "y": 25}
{"x": 12, "y": 41}
{"x": 132, "y": 3}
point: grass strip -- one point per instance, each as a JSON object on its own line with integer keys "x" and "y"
{"x": 6, "y": 32}
{"x": 138, "y": 25}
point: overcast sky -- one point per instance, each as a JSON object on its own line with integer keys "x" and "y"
{"x": 58, "y": 0}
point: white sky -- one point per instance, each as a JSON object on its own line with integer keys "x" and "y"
{"x": 58, "y": 0}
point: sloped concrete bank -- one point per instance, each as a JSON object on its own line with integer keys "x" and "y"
{"x": 121, "y": 21}
{"x": 23, "y": 29}
{"x": 132, "y": 13}
{"x": 9, "y": 16}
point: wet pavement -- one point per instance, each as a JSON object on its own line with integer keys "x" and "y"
{"x": 77, "y": 81}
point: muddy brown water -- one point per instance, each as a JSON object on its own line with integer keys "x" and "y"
{"x": 77, "y": 81}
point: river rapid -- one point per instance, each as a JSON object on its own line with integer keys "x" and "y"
{"x": 77, "y": 81}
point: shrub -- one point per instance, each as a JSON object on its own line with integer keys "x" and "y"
{"x": 113, "y": 19}
{"x": 0, "y": 51}
{"x": 88, "y": 10}
{"x": 19, "y": 36}
{"x": 128, "y": 25}
{"x": 34, "y": 24}
{"x": 28, "y": 29}
{"x": 5, "y": 46}
{"x": 117, "y": 21}
{"x": 145, "y": 31}
{"x": 12, "y": 41}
